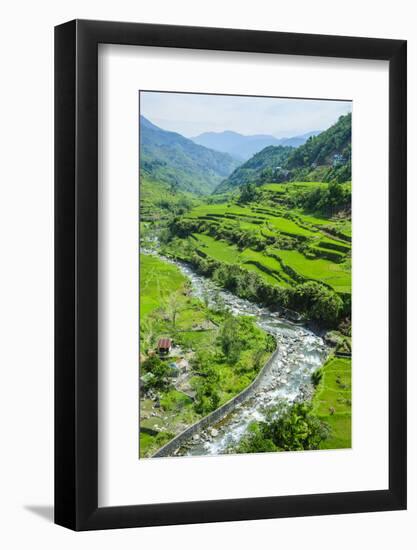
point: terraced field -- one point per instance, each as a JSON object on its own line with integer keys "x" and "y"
{"x": 294, "y": 246}
{"x": 267, "y": 267}
{"x": 331, "y": 273}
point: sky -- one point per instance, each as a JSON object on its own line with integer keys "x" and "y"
{"x": 193, "y": 114}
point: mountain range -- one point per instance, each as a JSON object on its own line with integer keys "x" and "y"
{"x": 171, "y": 158}
{"x": 183, "y": 165}
{"x": 243, "y": 147}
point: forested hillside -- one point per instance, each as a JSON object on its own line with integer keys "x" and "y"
{"x": 325, "y": 157}
{"x": 172, "y": 159}
{"x": 258, "y": 169}
{"x": 330, "y": 150}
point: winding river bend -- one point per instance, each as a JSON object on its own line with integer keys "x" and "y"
{"x": 288, "y": 377}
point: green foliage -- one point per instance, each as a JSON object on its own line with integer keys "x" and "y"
{"x": 238, "y": 353}
{"x": 318, "y": 301}
{"x": 316, "y": 377}
{"x": 207, "y": 398}
{"x": 174, "y": 400}
{"x": 207, "y": 394}
{"x": 173, "y": 306}
{"x": 326, "y": 200}
{"x": 319, "y": 150}
{"x": 238, "y": 334}
{"x": 345, "y": 326}
{"x": 287, "y": 428}
{"x": 159, "y": 370}
{"x": 248, "y": 193}
{"x": 229, "y": 339}
{"x": 256, "y": 441}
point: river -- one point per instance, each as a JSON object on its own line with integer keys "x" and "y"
{"x": 288, "y": 378}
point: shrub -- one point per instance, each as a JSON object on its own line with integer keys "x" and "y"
{"x": 316, "y": 377}
{"x": 318, "y": 302}
{"x": 287, "y": 428}
{"x": 159, "y": 370}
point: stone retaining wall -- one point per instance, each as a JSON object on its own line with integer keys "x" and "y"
{"x": 215, "y": 416}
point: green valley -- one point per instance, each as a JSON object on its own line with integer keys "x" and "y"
{"x": 238, "y": 263}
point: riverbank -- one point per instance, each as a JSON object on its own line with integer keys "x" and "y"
{"x": 300, "y": 353}
{"x": 214, "y": 356}
{"x": 209, "y": 426}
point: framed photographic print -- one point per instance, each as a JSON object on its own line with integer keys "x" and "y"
{"x": 230, "y": 275}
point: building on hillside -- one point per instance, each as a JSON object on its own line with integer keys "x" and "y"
{"x": 164, "y": 346}
{"x": 338, "y": 159}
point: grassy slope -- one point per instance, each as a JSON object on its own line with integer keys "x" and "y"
{"x": 332, "y": 402}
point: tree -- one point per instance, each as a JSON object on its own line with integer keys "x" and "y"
{"x": 207, "y": 397}
{"x": 174, "y": 306}
{"x": 229, "y": 339}
{"x": 219, "y": 303}
{"x": 255, "y": 442}
{"x": 318, "y": 302}
{"x": 287, "y": 428}
{"x": 206, "y": 298}
{"x": 148, "y": 328}
{"x": 248, "y": 193}
{"x": 257, "y": 357}
{"x": 295, "y": 428}
{"x": 160, "y": 373}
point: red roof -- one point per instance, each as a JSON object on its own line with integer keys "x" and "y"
{"x": 164, "y": 343}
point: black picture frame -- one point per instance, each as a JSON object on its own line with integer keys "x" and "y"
{"x": 76, "y": 272}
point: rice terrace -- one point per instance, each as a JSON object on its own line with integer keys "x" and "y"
{"x": 245, "y": 275}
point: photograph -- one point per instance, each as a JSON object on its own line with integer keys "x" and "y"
{"x": 244, "y": 274}
{"x": 208, "y": 330}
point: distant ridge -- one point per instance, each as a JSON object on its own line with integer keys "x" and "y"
{"x": 243, "y": 147}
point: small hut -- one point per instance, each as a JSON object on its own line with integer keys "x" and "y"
{"x": 164, "y": 346}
